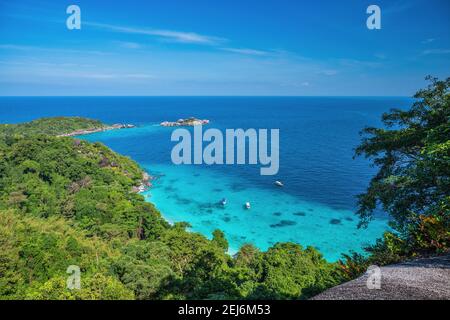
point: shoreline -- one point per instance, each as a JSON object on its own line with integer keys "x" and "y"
{"x": 180, "y": 213}
{"x": 145, "y": 183}
{"x": 81, "y": 132}
{"x": 189, "y": 122}
{"x": 143, "y": 188}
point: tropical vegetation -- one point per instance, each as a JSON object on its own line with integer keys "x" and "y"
{"x": 66, "y": 201}
{"x": 412, "y": 154}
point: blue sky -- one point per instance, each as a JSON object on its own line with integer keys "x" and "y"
{"x": 244, "y": 47}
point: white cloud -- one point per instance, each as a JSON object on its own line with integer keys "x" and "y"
{"x": 104, "y": 76}
{"x": 129, "y": 45}
{"x": 177, "y": 36}
{"x": 139, "y": 76}
{"x": 67, "y": 71}
{"x": 246, "y": 51}
{"x": 355, "y": 63}
{"x": 328, "y": 72}
{"x": 35, "y": 48}
{"x": 399, "y": 6}
{"x": 428, "y": 40}
{"x": 381, "y": 56}
{"x": 436, "y": 51}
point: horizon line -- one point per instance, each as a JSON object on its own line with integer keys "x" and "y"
{"x": 206, "y": 96}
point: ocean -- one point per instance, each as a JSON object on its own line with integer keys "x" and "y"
{"x": 317, "y": 205}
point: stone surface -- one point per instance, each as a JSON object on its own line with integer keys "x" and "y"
{"x": 184, "y": 122}
{"x": 421, "y": 279}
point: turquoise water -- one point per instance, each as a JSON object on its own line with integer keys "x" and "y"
{"x": 317, "y": 138}
{"x": 192, "y": 194}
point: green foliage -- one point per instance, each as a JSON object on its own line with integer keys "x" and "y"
{"x": 65, "y": 202}
{"x": 413, "y": 181}
{"x": 36, "y": 253}
{"x": 94, "y": 287}
{"x": 220, "y": 240}
{"x": 50, "y": 126}
{"x": 46, "y": 176}
{"x": 351, "y": 266}
{"x": 286, "y": 271}
{"x": 144, "y": 267}
{"x": 413, "y": 156}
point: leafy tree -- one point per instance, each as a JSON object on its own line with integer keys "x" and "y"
{"x": 36, "y": 253}
{"x": 220, "y": 240}
{"x": 289, "y": 272}
{"x": 144, "y": 267}
{"x": 93, "y": 287}
{"x": 413, "y": 180}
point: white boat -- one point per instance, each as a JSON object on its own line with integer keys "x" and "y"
{"x": 223, "y": 202}
{"x": 247, "y": 205}
{"x": 279, "y": 183}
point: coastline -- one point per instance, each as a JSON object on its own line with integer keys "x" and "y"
{"x": 189, "y": 122}
{"x": 177, "y": 196}
{"x": 227, "y": 220}
{"x": 117, "y": 126}
{"x": 145, "y": 183}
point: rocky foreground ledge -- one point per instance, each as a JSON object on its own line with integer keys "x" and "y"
{"x": 184, "y": 122}
{"x": 422, "y": 279}
{"x": 94, "y": 130}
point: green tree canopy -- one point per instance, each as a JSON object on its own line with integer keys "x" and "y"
{"x": 412, "y": 154}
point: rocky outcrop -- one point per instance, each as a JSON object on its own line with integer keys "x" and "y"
{"x": 184, "y": 122}
{"x": 421, "y": 279}
{"x": 145, "y": 183}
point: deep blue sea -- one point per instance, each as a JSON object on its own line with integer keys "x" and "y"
{"x": 317, "y": 139}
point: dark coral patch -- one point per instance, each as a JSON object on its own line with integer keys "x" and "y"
{"x": 204, "y": 206}
{"x": 237, "y": 187}
{"x": 277, "y": 214}
{"x": 335, "y": 221}
{"x": 183, "y": 201}
{"x": 283, "y": 223}
{"x": 300, "y": 214}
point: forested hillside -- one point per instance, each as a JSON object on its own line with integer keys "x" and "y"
{"x": 50, "y": 126}
{"x": 64, "y": 201}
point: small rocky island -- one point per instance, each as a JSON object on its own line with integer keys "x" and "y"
{"x": 184, "y": 122}
{"x": 100, "y": 129}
